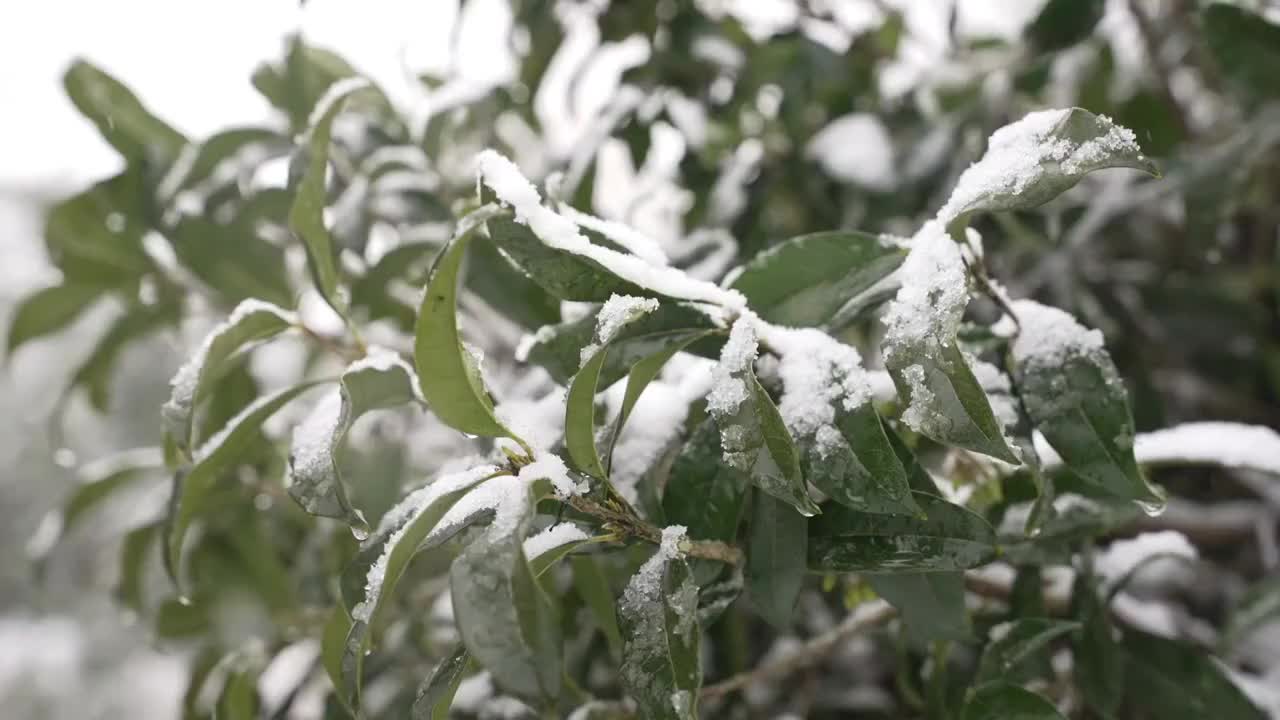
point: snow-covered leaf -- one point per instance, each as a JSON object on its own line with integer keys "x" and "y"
{"x": 381, "y": 380}
{"x": 193, "y": 484}
{"x": 447, "y": 371}
{"x": 1004, "y": 701}
{"x": 860, "y": 469}
{"x": 944, "y": 400}
{"x": 252, "y": 321}
{"x": 805, "y": 280}
{"x": 506, "y": 620}
{"x": 753, "y": 435}
{"x": 931, "y": 603}
{"x": 949, "y": 538}
{"x": 661, "y": 664}
{"x": 1226, "y": 444}
{"x": 1035, "y": 159}
{"x": 1013, "y": 645}
{"x": 436, "y": 693}
{"x": 121, "y": 118}
{"x": 776, "y": 555}
{"x": 1177, "y": 681}
{"x": 551, "y": 545}
{"x": 306, "y": 216}
{"x": 1075, "y": 397}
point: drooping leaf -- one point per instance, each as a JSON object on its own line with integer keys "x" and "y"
{"x": 661, "y": 668}
{"x": 95, "y": 237}
{"x": 863, "y": 472}
{"x": 1245, "y": 46}
{"x": 805, "y": 280}
{"x": 306, "y": 217}
{"x": 448, "y": 374}
{"x": 706, "y": 496}
{"x": 192, "y": 484}
{"x": 436, "y": 693}
{"x": 121, "y": 118}
{"x": 931, "y": 604}
{"x": 949, "y": 538}
{"x": 592, "y": 585}
{"x": 1174, "y": 680}
{"x": 1259, "y": 606}
{"x": 1035, "y": 159}
{"x": 506, "y": 620}
{"x": 1063, "y": 23}
{"x": 1014, "y": 644}
{"x": 48, "y": 310}
{"x": 1004, "y": 701}
{"x": 1074, "y": 395}
{"x": 380, "y": 380}
{"x": 776, "y": 555}
{"x": 250, "y": 322}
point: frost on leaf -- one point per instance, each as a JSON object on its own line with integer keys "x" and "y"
{"x": 617, "y": 312}
{"x": 728, "y": 391}
{"x": 250, "y": 322}
{"x": 551, "y": 467}
{"x": 1031, "y": 161}
{"x": 658, "y": 612}
{"x": 1074, "y": 396}
{"x": 380, "y": 380}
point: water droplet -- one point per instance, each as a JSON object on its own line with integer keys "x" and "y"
{"x": 360, "y": 532}
{"x": 184, "y": 601}
{"x": 1152, "y": 508}
{"x": 262, "y": 502}
{"x": 64, "y": 457}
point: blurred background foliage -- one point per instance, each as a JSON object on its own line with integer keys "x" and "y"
{"x": 716, "y": 127}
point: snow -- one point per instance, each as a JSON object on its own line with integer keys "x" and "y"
{"x": 332, "y": 95}
{"x": 1228, "y": 444}
{"x": 739, "y": 352}
{"x": 1049, "y": 337}
{"x": 552, "y": 468}
{"x": 634, "y": 241}
{"x": 820, "y": 376}
{"x": 1123, "y": 556}
{"x": 472, "y": 692}
{"x": 855, "y": 148}
{"x": 656, "y": 420}
{"x": 559, "y": 232}
{"x": 539, "y": 421}
{"x": 1017, "y": 153}
{"x": 551, "y": 538}
{"x": 616, "y": 313}
{"x": 311, "y": 450}
{"x": 645, "y": 587}
{"x": 398, "y": 519}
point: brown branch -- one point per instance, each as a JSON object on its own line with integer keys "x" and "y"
{"x": 619, "y": 521}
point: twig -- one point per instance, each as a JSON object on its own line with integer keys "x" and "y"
{"x": 620, "y": 522}
{"x": 867, "y": 616}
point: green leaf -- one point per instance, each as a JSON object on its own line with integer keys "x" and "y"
{"x": 239, "y": 698}
{"x": 931, "y": 604}
{"x": 193, "y": 484}
{"x": 251, "y": 322}
{"x": 1003, "y": 701}
{"x": 593, "y": 587}
{"x": 757, "y": 443}
{"x": 580, "y": 417}
{"x": 1259, "y": 606}
{"x": 1063, "y": 23}
{"x": 661, "y": 666}
{"x": 447, "y": 372}
{"x": 232, "y": 258}
{"x": 557, "y": 348}
{"x": 1174, "y": 680}
{"x": 509, "y": 291}
{"x": 231, "y": 146}
{"x": 776, "y": 554}
{"x": 381, "y": 380}
{"x": 643, "y": 372}
{"x": 436, "y": 693}
{"x": 1074, "y": 395}
{"x": 805, "y": 280}
{"x": 134, "y": 553}
{"x": 95, "y": 237}
{"x": 704, "y": 494}
{"x": 863, "y": 472}
{"x": 950, "y": 538}
{"x": 952, "y": 407}
{"x": 506, "y": 620}
{"x": 546, "y": 557}
{"x": 1077, "y": 519}
{"x": 97, "y": 373}
{"x": 1099, "y": 662}
{"x": 1008, "y": 654}
{"x": 49, "y": 310}
{"x": 562, "y": 274}
{"x": 1245, "y": 45}
{"x": 333, "y": 642}
{"x": 306, "y": 217}
{"x": 297, "y": 85}
{"x": 1028, "y": 164}
{"x": 121, "y": 118}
